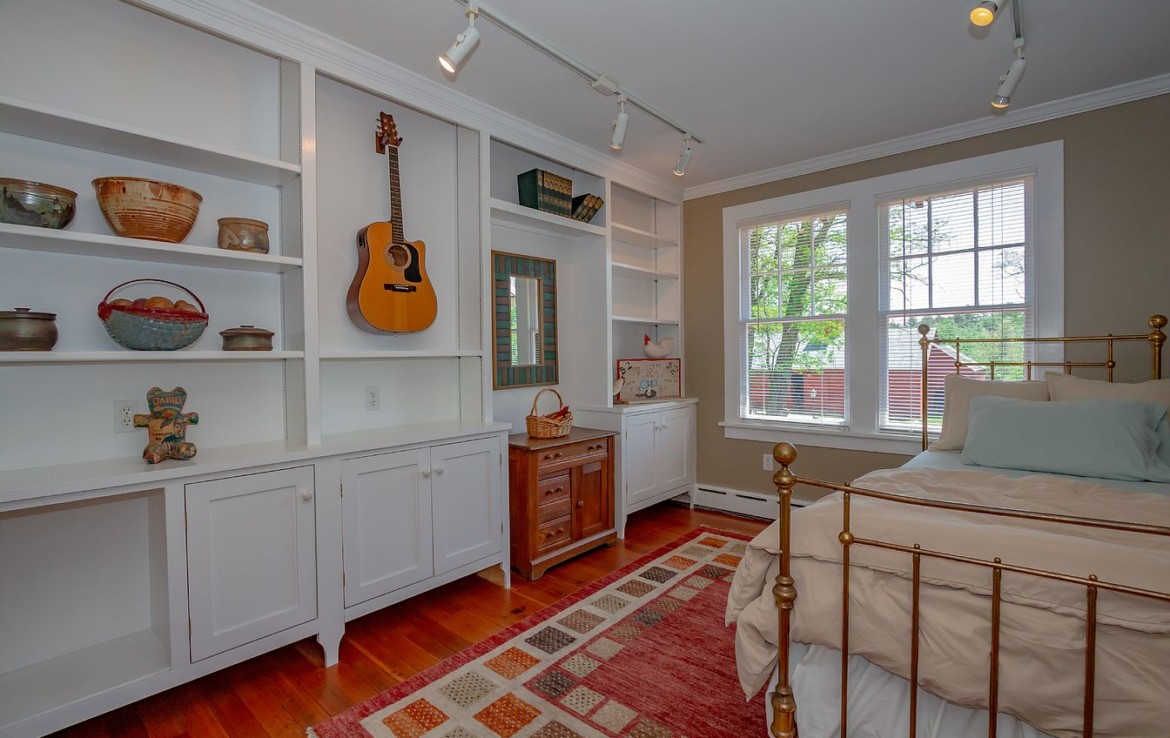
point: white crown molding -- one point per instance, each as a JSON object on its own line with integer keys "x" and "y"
{"x": 1025, "y": 116}
{"x": 274, "y": 34}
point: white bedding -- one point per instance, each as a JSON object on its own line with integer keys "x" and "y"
{"x": 1032, "y": 679}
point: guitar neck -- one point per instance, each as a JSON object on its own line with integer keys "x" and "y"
{"x": 395, "y": 196}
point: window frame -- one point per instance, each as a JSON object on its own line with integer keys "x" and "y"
{"x": 860, "y": 198}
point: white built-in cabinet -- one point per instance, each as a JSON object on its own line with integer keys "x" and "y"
{"x": 412, "y": 515}
{"x": 251, "y": 547}
{"x": 306, "y": 505}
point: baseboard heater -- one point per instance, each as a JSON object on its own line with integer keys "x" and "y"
{"x": 752, "y": 504}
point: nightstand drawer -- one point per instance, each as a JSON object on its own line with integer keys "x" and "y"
{"x": 570, "y": 454}
{"x": 554, "y": 533}
{"x": 553, "y": 489}
{"x": 561, "y": 508}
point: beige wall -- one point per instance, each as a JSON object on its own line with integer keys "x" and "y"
{"x": 1117, "y": 260}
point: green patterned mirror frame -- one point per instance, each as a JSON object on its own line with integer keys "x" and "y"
{"x": 516, "y": 328}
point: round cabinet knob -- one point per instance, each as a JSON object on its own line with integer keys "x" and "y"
{"x": 439, "y": 469}
{"x": 557, "y": 455}
{"x": 306, "y": 494}
{"x": 426, "y": 472}
{"x": 580, "y": 503}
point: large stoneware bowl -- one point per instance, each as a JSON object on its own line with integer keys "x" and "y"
{"x": 24, "y": 202}
{"x": 147, "y": 208}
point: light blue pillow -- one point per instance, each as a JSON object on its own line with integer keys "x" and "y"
{"x": 1107, "y": 439}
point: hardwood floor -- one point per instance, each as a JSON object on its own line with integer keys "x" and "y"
{"x": 288, "y": 690}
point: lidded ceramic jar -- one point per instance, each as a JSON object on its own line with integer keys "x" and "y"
{"x": 247, "y": 338}
{"x": 24, "y": 330}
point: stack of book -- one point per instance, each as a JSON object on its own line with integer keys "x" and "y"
{"x": 586, "y": 206}
{"x": 545, "y": 191}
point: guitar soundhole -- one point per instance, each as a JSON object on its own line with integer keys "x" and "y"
{"x": 398, "y": 255}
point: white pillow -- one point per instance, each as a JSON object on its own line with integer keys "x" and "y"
{"x": 960, "y": 390}
{"x": 1063, "y": 387}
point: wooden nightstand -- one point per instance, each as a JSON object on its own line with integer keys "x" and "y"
{"x": 561, "y": 497}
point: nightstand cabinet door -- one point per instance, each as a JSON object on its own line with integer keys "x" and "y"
{"x": 561, "y": 497}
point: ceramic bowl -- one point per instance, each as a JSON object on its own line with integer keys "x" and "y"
{"x": 243, "y": 234}
{"x": 146, "y": 208}
{"x": 24, "y": 202}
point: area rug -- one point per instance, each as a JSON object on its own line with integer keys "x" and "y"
{"x": 641, "y": 653}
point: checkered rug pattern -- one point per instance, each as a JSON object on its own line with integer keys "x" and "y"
{"x": 642, "y": 653}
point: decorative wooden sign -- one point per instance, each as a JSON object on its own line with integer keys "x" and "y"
{"x": 645, "y": 380}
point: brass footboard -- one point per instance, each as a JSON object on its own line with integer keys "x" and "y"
{"x": 784, "y": 722}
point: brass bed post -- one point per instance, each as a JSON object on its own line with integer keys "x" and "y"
{"x": 783, "y": 701}
{"x": 924, "y": 397}
{"x": 1157, "y": 340}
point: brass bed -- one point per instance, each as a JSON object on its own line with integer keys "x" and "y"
{"x": 785, "y": 591}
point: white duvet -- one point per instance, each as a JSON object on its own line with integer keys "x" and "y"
{"x": 1042, "y": 633}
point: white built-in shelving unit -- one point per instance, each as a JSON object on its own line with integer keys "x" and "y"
{"x": 102, "y": 555}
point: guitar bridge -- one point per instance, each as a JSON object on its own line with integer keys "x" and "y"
{"x": 400, "y": 287}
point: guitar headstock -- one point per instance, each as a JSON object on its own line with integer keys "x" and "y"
{"x": 386, "y": 134}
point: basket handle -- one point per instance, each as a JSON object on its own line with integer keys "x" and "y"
{"x": 202, "y": 309}
{"x": 538, "y": 394}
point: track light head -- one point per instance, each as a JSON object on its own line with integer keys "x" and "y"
{"x": 464, "y": 43}
{"x": 983, "y": 14}
{"x": 619, "y": 126}
{"x": 684, "y": 158}
{"x": 1007, "y": 85}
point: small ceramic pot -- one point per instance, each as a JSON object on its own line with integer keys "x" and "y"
{"x": 247, "y": 338}
{"x": 243, "y": 234}
{"x": 23, "y": 330}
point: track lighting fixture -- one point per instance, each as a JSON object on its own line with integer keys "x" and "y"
{"x": 464, "y": 42}
{"x": 983, "y": 14}
{"x": 685, "y": 157}
{"x": 1007, "y": 85}
{"x": 619, "y": 125}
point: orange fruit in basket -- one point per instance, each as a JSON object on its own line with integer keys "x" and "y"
{"x": 160, "y": 303}
{"x": 186, "y": 306}
{"x": 121, "y": 302}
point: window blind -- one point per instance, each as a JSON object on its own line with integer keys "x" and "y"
{"x": 961, "y": 262}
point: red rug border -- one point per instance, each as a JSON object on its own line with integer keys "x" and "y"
{"x": 347, "y": 724}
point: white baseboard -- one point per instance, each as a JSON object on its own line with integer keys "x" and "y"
{"x": 752, "y": 504}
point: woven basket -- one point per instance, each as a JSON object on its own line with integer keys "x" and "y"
{"x": 152, "y": 329}
{"x": 542, "y": 426}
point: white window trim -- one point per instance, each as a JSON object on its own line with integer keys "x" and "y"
{"x": 1044, "y": 161}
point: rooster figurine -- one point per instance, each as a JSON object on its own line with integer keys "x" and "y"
{"x": 659, "y": 350}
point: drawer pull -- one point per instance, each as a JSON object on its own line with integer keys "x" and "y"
{"x": 557, "y": 455}
{"x": 556, "y": 491}
{"x": 580, "y": 503}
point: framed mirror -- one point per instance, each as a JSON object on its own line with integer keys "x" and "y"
{"x": 524, "y": 320}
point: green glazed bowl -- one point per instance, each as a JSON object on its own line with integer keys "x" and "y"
{"x": 23, "y": 202}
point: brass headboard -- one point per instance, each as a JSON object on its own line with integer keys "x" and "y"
{"x": 1155, "y": 337}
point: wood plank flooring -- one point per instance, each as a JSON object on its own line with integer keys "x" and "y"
{"x": 288, "y": 690}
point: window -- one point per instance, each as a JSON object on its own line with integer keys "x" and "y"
{"x": 824, "y": 291}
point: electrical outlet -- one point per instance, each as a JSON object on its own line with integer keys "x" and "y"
{"x": 124, "y": 415}
{"x": 768, "y": 462}
{"x": 373, "y": 398}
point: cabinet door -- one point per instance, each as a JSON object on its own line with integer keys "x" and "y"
{"x": 251, "y": 558}
{"x": 638, "y": 457}
{"x": 465, "y": 499}
{"x": 386, "y": 523}
{"x": 592, "y": 499}
{"x": 673, "y": 453}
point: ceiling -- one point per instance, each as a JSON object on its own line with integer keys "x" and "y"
{"x": 765, "y": 83}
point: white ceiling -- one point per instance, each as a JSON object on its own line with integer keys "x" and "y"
{"x": 765, "y": 83}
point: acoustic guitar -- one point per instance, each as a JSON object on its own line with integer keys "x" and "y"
{"x": 391, "y": 292}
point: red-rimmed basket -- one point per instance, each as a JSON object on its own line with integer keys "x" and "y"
{"x": 152, "y": 329}
{"x": 543, "y": 426}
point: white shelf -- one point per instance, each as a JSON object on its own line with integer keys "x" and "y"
{"x": 509, "y": 212}
{"x": 639, "y": 237}
{"x": 93, "y": 244}
{"x": 345, "y": 355}
{"x": 642, "y": 321}
{"x": 33, "y": 120}
{"x": 629, "y": 270}
{"x": 37, "y": 689}
{"x": 128, "y": 356}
